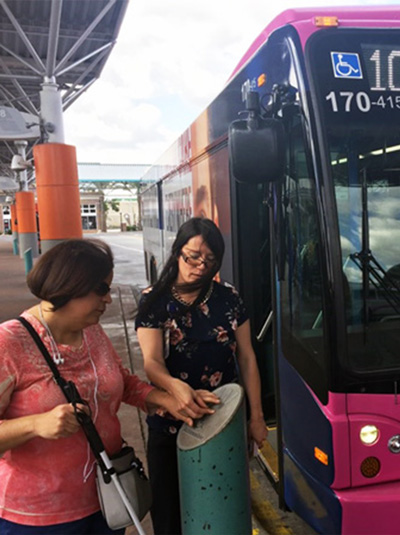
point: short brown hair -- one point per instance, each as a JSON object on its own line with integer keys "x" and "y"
{"x": 70, "y": 269}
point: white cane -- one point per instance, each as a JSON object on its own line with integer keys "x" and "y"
{"x": 121, "y": 492}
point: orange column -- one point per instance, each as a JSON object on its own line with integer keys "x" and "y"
{"x": 57, "y": 190}
{"x": 26, "y": 217}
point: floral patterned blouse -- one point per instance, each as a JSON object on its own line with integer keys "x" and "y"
{"x": 200, "y": 344}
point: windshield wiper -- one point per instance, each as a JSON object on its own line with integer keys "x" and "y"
{"x": 372, "y": 271}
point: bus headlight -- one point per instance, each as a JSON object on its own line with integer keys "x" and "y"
{"x": 369, "y": 434}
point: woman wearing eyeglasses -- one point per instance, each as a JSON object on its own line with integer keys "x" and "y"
{"x": 193, "y": 331}
{"x": 47, "y": 476}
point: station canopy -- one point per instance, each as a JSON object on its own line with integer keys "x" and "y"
{"x": 66, "y": 40}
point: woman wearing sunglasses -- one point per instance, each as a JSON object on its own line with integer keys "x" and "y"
{"x": 193, "y": 331}
{"x": 47, "y": 476}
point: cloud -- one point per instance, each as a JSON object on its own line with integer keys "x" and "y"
{"x": 165, "y": 59}
{"x": 171, "y": 60}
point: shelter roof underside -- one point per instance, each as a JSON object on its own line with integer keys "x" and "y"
{"x": 69, "y": 40}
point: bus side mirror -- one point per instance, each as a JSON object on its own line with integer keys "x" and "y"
{"x": 257, "y": 150}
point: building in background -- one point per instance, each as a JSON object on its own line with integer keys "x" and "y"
{"x": 109, "y": 197}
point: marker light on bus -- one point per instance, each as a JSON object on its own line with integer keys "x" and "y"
{"x": 321, "y": 456}
{"x": 370, "y": 467}
{"x": 326, "y": 21}
{"x": 261, "y": 80}
{"x": 369, "y": 434}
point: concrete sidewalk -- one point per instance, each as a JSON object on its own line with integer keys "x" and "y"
{"x": 14, "y": 293}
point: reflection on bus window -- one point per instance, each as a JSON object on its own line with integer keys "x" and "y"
{"x": 302, "y": 319}
{"x": 150, "y": 213}
{"x": 367, "y": 187}
{"x": 178, "y": 208}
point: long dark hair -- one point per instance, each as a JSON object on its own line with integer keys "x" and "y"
{"x": 197, "y": 226}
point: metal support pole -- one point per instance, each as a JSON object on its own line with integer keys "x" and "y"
{"x": 23, "y": 175}
{"x": 28, "y": 260}
{"x": 51, "y": 111}
{"x": 14, "y": 228}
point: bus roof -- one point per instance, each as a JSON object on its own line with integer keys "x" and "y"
{"x": 303, "y": 19}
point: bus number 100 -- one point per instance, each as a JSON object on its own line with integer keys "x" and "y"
{"x": 380, "y": 84}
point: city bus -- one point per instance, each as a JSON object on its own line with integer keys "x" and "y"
{"x": 298, "y": 162}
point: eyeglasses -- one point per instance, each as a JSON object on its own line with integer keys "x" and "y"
{"x": 102, "y": 289}
{"x": 196, "y": 261}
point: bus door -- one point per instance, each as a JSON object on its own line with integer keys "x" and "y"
{"x": 252, "y": 266}
{"x": 251, "y": 199}
{"x": 300, "y": 347}
{"x": 302, "y": 354}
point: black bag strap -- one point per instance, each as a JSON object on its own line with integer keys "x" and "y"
{"x": 71, "y": 394}
{"x": 62, "y": 383}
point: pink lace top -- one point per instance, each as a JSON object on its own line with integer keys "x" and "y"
{"x": 44, "y": 481}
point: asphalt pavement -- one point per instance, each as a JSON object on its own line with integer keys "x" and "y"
{"x": 118, "y": 322}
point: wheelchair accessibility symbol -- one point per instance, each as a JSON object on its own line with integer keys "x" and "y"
{"x": 346, "y": 65}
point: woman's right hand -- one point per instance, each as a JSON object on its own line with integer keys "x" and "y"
{"x": 192, "y": 402}
{"x": 60, "y": 422}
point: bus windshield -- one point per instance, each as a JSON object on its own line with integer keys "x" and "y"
{"x": 356, "y": 74}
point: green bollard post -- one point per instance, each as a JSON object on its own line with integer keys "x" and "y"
{"x": 15, "y": 246}
{"x": 28, "y": 260}
{"x": 214, "y": 470}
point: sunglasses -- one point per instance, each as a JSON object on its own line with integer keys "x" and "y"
{"x": 102, "y": 289}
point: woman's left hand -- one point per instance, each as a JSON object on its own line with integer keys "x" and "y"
{"x": 257, "y": 430}
{"x": 172, "y": 405}
{"x": 208, "y": 397}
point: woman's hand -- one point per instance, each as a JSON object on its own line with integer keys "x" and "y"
{"x": 171, "y": 404}
{"x": 60, "y": 422}
{"x": 193, "y": 403}
{"x": 208, "y": 397}
{"x": 257, "y": 430}
{"x": 57, "y": 423}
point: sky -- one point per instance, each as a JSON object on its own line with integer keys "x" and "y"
{"x": 172, "y": 58}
